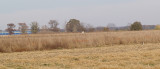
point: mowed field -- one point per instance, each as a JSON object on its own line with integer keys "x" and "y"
{"x": 136, "y": 56}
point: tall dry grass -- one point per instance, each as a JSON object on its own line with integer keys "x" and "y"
{"x": 18, "y": 43}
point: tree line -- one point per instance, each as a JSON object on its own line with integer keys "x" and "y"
{"x": 73, "y": 25}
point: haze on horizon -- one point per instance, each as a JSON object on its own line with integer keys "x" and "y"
{"x": 94, "y": 12}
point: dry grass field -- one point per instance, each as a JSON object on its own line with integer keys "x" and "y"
{"x": 98, "y": 50}
{"x": 19, "y": 43}
{"x": 136, "y": 56}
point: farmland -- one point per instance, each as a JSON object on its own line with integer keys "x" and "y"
{"x": 97, "y": 50}
{"x": 136, "y": 56}
{"x": 38, "y": 42}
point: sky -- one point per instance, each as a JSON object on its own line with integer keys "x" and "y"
{"x": 94, "y": 12}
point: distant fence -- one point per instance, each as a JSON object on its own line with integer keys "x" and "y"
{"x": 15, "y": 32}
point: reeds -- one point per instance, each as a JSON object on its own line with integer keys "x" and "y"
{"x": 19, "y": 43}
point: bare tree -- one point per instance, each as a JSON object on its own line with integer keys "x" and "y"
{"x": 90, "y": 28}
{"x": 111, "y": 26}
{"x": 23, "y": 27}
{"x": 54, "y": 25}
{"x": 129, "y": 26}
{"x": 45, "y": 28}
{"x": 10, "y": 28}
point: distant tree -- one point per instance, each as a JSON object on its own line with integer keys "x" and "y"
{"x": 74, "y": 26}
{"x": 82, "y": 27}
{"x": 10, "y": 28}
{"x": 136, "y": 26}
{"x": 90, "y": 28}
{"x": 34, "y": 27}
{"x": 157, "y": 27}
{"x": 129, "y": 26}
{"x": 54, "y": 25}
{"x": 44, "y": 28}
{"x": 111, "y": 26}
{"x": 23, "y": 28}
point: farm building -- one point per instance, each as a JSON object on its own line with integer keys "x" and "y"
{"x": 15, "y": 32}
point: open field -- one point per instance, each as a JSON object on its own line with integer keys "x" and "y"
{"x": 136, "y": 56}
{"x": 19, "y": 43}
{"x": 98, "y": 50}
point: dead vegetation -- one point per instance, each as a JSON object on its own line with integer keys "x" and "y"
{"x": 136, "y": 56}
{"x": 19, "y": 43}
{"x": 100, "y": 50}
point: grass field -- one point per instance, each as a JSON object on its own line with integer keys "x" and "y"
{"x": 97, "y": 50}
{"x": 136, "y": 56}
{"x": 39, "y": 42}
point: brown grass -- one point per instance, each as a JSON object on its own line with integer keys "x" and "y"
{"x": 136, "y": 56}
{"x": 19, "y": 43}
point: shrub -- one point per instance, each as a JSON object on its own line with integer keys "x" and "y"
{"x": 157, "y": 27}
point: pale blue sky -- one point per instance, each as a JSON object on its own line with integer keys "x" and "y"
{"x": 95, "y": 12}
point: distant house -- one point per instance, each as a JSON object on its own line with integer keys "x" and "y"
{"x": 15, "y": 32}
